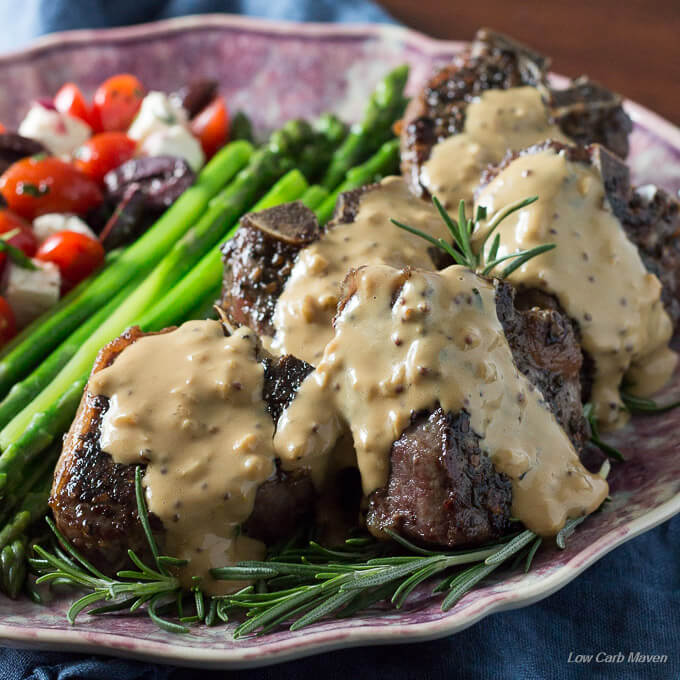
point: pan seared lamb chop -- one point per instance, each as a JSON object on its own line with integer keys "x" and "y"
{"x": 585, "y": 111}
{"x": 439, "y": 479}
{"x": 93, "y": 497}
{"x": 610, "y": 239}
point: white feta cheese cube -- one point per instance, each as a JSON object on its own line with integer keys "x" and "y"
{"x": 175, "y": 140}
{"x": 51, "y": 223}
{"x": 59, "y": 132}
{"x": 156, "y": 113}
{"x": 30, "y": 292}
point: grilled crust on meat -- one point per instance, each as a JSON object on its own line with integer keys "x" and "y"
{"x": 585, "y": 111}
{"x": 443, "y": 489}
{"x": 259, "y": 259}
{"x": 93, "y": 498}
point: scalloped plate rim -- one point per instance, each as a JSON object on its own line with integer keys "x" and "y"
{"x": 72, "y": 639}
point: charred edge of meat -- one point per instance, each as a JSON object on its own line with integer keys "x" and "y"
{"x": 443, "y": 489}
{"x": 589, "y": 113}
{"x": 93, "y": 498}
{"x": 649, "y": 215}
{"x": 258, "y": 261}
{"x": 493, "y": 61}
{"x": 282, "y": 378}
{"x": 347, "y": 205}
{"x": 586, "y": 111}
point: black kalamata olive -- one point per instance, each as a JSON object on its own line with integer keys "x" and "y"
{"x": 197, "y": 95}
{"x": 161, "y": 179}
{"x": 14, "y": 147}
{"x": 131, "y": 218}
{"x": 141, "y": 190}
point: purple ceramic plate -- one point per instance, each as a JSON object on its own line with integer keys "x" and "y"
{"x": 275, "y": 71}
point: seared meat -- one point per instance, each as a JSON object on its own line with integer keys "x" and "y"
{"x": 585, "y": 111}
{"x": 93, "y": 498}
{"x": 649, "y": 216}
{"x": 590, "y": 114}
{"x": 260, "y": 257}
{"x": 258, "y": 261}
{"x": 443, "y": 489}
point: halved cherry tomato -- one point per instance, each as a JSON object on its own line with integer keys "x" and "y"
{"x": 211, "y": 126}
{"x": 8, "y": 326}
{"x": 104, "y": 152}
{"x": 116, "y": 102}
{"x": 70, "y": 100}
{"x": 77, "y": 256}
{"x": 25, "y": 240}
{"x": 38, "y": 185}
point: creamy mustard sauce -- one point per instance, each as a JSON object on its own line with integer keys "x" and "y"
{"x": 407, "y": 342}
{"x": 189, "y": 405}
{"x": 304, "y": 310}
{"x": 595, "y": 272}
{"x": 495, "y": 122}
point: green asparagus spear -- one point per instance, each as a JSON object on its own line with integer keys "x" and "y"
{"x": 50, "y": 412}
{"x": 385, "y": 106}
{"x": 205, "y": 308}
{"x": 207, "y": 274}
{"x": 241, "y": 127}
{"x": 139, "y": 258}
{"x": 34, "y": 326}
{"x": 25, "y": 391}
{"x": 384, "y": 162}
{"x": 13, "y": 567}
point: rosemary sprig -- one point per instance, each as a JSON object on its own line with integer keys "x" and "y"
{"x": 462, "y": 232}
{"x": 646, "y": 406}
{"x": 130, "y": 590}
{"x": 610, "y": 451}
{"x": 298, "y": 585}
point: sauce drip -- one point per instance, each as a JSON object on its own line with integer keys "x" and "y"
{"x": 595, "y": 272}
{"x": 495, "y": 122}
{"x": 174, "y": 400}
{"x": 407, "y": 341}
{"x": 305, "y": 309}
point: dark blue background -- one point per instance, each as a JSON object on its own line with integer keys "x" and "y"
{"x": 627, "y": 602}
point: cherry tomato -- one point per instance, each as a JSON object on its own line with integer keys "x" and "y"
{"x": 211, "y": 126}
{"x": 38, "y": 185}
{"x": 104, "y": 152}
{"x": 8, "y": 326}
{"x": 116, "y": 102}
{"x": 3, "y": 129}
{"x": 70, "y": 100}
{"x": 77, "y": 256}
{"x": 25, "y": 240}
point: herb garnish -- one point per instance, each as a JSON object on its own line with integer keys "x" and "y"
{"x": 17, "y": 256}
{"x": 610, "y": 451}
{"x": 297, "y": 584}
{"x": 33, "y": 189}
{"x": 647, "y": 406}
{"x": 463, "y": 230}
